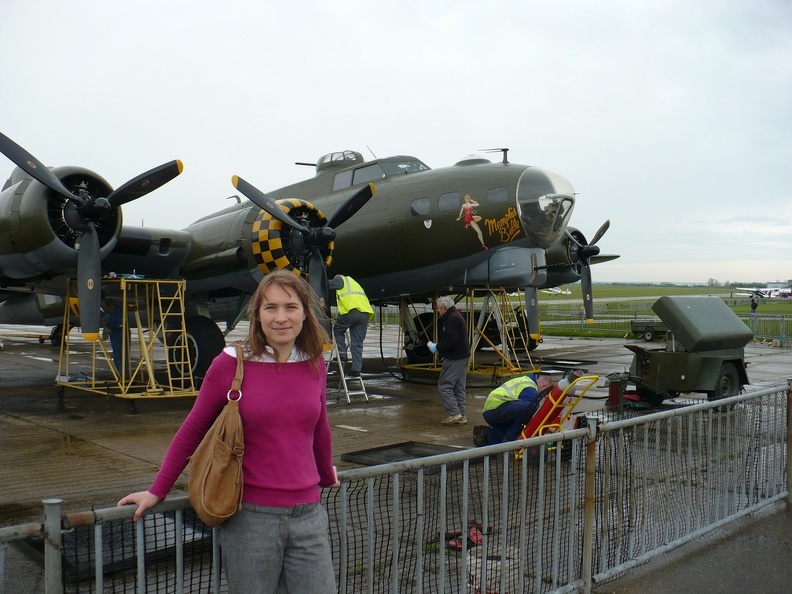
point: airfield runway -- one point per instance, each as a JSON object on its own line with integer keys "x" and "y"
{"x": 90, "y": 450}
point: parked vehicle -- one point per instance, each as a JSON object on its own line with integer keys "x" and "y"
{"x": 648, "y": 328}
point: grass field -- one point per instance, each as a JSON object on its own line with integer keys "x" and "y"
{"x": 605, "y": 291}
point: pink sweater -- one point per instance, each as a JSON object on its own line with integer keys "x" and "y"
{"x": 288, "y": 445}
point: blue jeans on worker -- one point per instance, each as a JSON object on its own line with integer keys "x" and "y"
{"x": 357, "y": 323}
{"x": 283, "y": 550}
{"x": 507, "y": 421}
{"x": 451, "y": 385}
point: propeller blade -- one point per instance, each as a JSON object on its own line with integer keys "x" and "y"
{"x": 585, "y": 286}
{"x": 601, "y": 258}
{"x": 35, "y": 168}
{"x": 351, "y": 206}
{"x": 600, "y": 232}
{"x": 266, "y": 204}
{"x": 89, "y": 283}
{"x": 145, "y": 183}
{"x": 317, "y": 279}
{"x": 532, "y": 311}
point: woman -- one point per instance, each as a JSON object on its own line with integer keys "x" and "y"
{"x": 279, "y": 539}
{"x": 471, "y": 218}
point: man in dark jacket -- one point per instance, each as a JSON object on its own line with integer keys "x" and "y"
{"x": 452, "y": 346}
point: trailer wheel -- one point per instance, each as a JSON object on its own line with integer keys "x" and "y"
{"x": 649, "y": 335}
{"x": 728, "y": 383}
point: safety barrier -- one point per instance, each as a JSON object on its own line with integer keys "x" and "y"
{"x": 769, "y": 328}
{"x": 573, "y": 510}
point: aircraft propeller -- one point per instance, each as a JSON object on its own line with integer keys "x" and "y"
{"x": 313, "y": 238}
{"x": 584, "y": 252}
{"x": 82, "y": 211}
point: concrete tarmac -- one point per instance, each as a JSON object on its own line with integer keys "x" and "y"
{"x": 90, "y": 449}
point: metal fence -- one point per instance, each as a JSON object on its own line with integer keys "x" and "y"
{"x": 616, "y": 317}
{"x": 552, "y": 514}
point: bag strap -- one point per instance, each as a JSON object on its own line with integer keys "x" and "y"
{"x": 236, "y": 385}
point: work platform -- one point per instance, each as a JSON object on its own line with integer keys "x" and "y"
{"x": 155, "y": 359}
{"x": 493, "y": 321}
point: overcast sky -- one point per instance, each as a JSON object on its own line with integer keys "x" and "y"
{"x": 673, "y": 119}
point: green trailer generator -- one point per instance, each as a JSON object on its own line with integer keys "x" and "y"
{"x": 705, "y": 349}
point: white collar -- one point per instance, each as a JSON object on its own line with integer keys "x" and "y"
{"x": 295, "y": 357}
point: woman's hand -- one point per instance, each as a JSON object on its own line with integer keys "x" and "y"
{"x": 143, "y": 499}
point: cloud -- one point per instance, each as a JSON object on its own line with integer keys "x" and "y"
{"x": 670, "y": 118}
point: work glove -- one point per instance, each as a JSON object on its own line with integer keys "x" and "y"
{"x": 432, "y": 346}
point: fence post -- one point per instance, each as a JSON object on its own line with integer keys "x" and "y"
{"x": 53, "y": 545}
{"x": 788, "y": 436}
{"x": 588, "y": 505}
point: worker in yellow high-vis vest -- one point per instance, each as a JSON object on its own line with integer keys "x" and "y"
{"x": 354, "y": 314}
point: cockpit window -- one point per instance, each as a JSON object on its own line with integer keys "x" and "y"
{"x": 342, "y": 180}
{"x": 496, "y": 195}
{"x": 402, "y": 166}
{"x": 368, "y": 173}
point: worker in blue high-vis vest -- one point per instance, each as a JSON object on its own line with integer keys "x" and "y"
{"x": 354, "y": 314}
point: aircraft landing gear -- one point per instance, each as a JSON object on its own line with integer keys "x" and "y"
{"x": 204, "y": 341}
{"x": 497, "y": 324}
{"x": 416, "y": 349}
{"x": 56, "y": 335}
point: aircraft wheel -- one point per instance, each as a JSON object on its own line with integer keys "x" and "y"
{"x": 649, "y": 335}
{"x": 204, "y": 342}
{"x": 728, "y": 383}
{"x": 56, "y": 334}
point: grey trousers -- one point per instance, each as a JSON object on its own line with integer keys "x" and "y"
{"x": 451, "y": 385}
{"x": 278, "y": 550}
{"x": 357, "y": 323}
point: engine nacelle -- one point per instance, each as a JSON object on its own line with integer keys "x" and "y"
{"x": 38, "y": 238}
{"x": 33, "y": 309}
{"x": 273, "y": 245}
{"x": 563, "y": 262}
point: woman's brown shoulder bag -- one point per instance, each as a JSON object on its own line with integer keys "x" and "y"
{"x": 214, "y": 484}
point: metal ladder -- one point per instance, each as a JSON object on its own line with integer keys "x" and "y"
{"x": 344, "y": 380}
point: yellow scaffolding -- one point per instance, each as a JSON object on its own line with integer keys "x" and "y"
{"x": 155, "y": 357}
{"x": 482, "y": 309}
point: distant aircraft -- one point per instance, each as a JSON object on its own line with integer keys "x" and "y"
{"x": 764, "y": 292}
{"x": 557, "y": 291}
{"x": 474, "y": 224}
